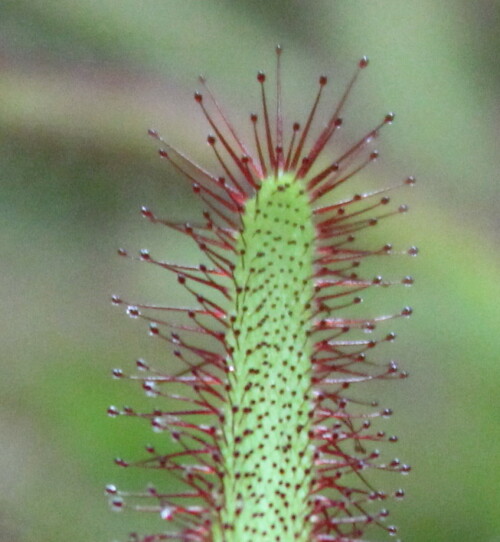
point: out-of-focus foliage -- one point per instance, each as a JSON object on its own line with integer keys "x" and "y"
{"x": 80, "y": 83}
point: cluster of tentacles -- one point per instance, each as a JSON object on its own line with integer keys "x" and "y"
{"x": 340, "y": 501}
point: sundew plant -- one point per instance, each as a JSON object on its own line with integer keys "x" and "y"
{"x": 274, "y": 431}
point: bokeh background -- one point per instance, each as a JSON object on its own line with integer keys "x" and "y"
{"x": 80, "y": 83}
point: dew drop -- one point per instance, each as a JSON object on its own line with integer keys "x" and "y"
{"x": 166, "y": 513}
{"x": 410, "y": 180}
{"x": 146, "y": 212}
{"x": 399, "y": 494}
{"x": 389, "y": 118}
{"x": 407, "y": 311}
{"x": 393, "y": 367}
{"x": 117, "y": 504}
{"x": 133, "y": 311}
{"x": 363, "y": 62}
{"x": 405, "y": 469}
{"x": 117, "y": 373}
{"x": 142, "y": 365}
{"x": 116, "y": 300}
{"x": 407, "y": 281}
{"x": 111, "y": 489}
{"x": 113, "y": 412}
{"x": 150, "y": 388}
{"x": 392, "y": 530}
{"x": 413, "y": 251}
{"x": 153, "y": 330}
{"x": 157, "y": 424}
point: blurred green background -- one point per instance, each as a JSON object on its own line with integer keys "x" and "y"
{"x": 81, "y": 81}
